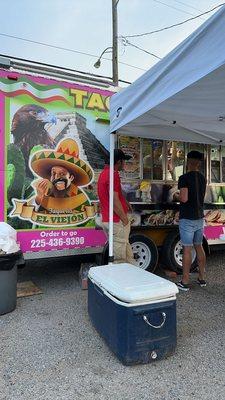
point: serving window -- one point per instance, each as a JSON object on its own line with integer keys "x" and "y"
{"x": 153, "y": 160}
{"x": 132, "y": 147}
{"x": 175, "y": 160}
{"x": 152, "y": 155}
{"x": 147, "y": 156}
{"x": 165, "y": 161}
{"x": 217, "y": 164}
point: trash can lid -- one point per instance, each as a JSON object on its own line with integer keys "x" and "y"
{"x": 132, "y": 284}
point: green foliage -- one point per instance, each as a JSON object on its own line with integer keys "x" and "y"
{"x": 10, "y": 174}
{"x": 28, "y": 190}
{"x": 15, "y": 172}
{"x": 36, "y": 148}
{"x": 88, "y": 224}
{"x": 18, "y": 223}
{"x": 17, "y": 184}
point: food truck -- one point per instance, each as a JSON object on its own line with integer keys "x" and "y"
{"x": 54, "y": 143}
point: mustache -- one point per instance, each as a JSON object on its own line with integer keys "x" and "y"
{"x": 60, "y": 180}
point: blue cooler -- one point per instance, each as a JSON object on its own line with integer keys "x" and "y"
{"x": 134, "y": 311}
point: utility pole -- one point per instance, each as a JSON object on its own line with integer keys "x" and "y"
{"x": 115, "y": 42}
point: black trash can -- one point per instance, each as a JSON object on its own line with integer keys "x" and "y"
{"x": 8, "y": 281}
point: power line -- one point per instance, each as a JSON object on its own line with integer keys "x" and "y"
{"x": 47, "y": 45}
{"x": 128, "y": 43}
{"x": 65, "y": 49}
{"x": 174, "y": 25}
{"x": 187, "y": 5}
{"x": 129, "y": 65}
{"x": 174, "y": 8}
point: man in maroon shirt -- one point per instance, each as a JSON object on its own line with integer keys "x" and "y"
{"x": 121, "y": 227}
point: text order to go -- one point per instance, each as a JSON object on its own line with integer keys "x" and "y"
{"x": 57, "y": 242}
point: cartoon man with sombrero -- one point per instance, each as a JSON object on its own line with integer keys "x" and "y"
{"x": 59, "y": 199}
{"x": 63, "y": 174}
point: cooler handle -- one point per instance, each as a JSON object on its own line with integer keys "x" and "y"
{"x": 154, "y": 326}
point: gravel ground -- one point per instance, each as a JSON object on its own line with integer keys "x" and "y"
{"x": 49, "y": 350}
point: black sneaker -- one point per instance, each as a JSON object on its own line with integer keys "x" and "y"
{"x": 183, "y": 286}
{"x": 201, "y": 282}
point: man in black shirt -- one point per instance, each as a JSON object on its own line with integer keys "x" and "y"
{"x": 192, "y": 186}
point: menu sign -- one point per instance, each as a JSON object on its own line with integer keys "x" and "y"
{"x": 131, "y": 146}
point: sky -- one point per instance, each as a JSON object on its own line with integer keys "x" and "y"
{"x": 85, "y": 26}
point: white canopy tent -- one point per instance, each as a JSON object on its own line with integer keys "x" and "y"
{"x": 181, "y": 98}
{"x": 183, "y": 95}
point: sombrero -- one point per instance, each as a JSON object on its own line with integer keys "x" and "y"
{"x": 65, "y": 155}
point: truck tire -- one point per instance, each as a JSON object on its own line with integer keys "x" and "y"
{"x": 172, "y": 253}
{"x": 102, "y": 258}
{"x": 145, "y": 252}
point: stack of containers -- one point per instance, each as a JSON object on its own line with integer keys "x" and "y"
{"x": 134, "y": 311}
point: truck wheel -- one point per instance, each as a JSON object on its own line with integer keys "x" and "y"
{"x": 145, "y": 252}
{"x": 172, "y": 253}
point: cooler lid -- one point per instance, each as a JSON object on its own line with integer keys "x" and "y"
{"x": 132, "y": 284}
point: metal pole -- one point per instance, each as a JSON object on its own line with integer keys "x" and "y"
{"x": 115, "y": 42}
{"x": 112, "y": 135}
{"x": 111, "y": 184}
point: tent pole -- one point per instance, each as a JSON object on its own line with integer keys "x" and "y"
{"x": 111, "y": 184}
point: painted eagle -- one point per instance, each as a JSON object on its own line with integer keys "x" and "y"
{"x": 28, "y": 130}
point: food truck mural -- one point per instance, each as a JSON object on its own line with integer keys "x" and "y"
{"x": 52, "y": 151}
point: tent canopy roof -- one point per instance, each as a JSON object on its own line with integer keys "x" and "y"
{"x": 182, "y": 97}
